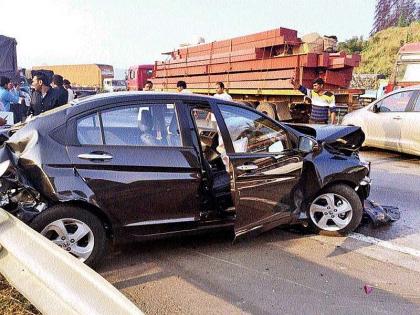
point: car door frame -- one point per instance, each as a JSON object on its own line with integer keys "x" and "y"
{"x": 411, "y": 145}
{"x": 141, "y": 228}
{"x": 268, "y": 221}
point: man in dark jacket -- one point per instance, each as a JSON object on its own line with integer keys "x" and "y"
{"x": 44, "y": 97}
{"x": 62, "y": 93}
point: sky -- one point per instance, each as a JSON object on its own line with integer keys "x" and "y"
{"x": 128, "y": 32}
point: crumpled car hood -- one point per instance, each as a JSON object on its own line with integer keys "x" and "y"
{"x": 341, "y": 137}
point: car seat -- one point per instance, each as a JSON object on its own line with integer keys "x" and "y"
{"x": 146, "y": 127}
{"x": 173, "y": 136}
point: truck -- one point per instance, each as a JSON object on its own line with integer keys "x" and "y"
{"x": 8, "y": 57}
{"x": 406, "y": 71}
{"x": 256, "y": 69}
{"x": 137, "y": 76}
{"x": 82, "y": 76}
{"x": 8, "y": 63}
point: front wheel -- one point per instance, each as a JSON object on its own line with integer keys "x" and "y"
{"x": 75, "y": 230}
{"x": 336, "y": 210}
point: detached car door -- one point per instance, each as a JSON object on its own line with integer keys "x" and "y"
{"x": 384, "y": 129}
{"x": 263, "y": 165}
{"x": 134, "y": 160}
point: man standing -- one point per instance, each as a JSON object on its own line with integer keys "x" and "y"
{"x": 7, "y": 96}
{"x": 46, "y": 98}
{"x": 62, "y": 94}
{"x": 148, "y": 86}
{"x": 67, "y": 86}
{"x": 323, "y": 102}
{"x": 221, "y": 92}
{"x": 181, "y": 86}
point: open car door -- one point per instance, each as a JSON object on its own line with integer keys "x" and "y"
{"x": 265, "y": 169}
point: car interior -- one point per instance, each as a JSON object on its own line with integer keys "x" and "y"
{"x": 214, "y": 158}
{"x": 144, "y": 126}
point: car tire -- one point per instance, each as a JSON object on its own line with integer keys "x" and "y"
{"x": 337, "y": 210}
{"x": 74, "y": 229}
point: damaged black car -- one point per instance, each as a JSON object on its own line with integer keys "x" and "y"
{"x": 139, "y": 166}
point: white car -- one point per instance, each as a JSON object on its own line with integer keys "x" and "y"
{"x": 112, "y": 85}
{"x": 392, "y": 122}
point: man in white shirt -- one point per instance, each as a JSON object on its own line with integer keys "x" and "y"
{"x": 221, "y": 92}
{"x": 181, "y": 86}
{"x": 66, "y": 84}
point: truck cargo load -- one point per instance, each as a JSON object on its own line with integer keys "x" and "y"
{"x": 83, "y": 76}
{"x": 256, "y": 69}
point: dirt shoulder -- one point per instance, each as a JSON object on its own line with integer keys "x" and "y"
{"x": 12, "y": 302}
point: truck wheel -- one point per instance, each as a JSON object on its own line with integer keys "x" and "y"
{"x": 75, "y": 230}
{"x": 267, "y": 109}
{"x": 335, "y": 211}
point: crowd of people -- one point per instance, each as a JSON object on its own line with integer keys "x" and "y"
{"x": 181, "y": 87}
{"x": 322, "y": 102}
{"x": 17, "y": 103}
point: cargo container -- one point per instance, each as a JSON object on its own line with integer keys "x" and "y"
{"x": 256, "y": 69}
{"x": 83, "y": 76}
{"x": 8, "y": 57}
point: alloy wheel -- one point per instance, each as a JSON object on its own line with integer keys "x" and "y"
{"x": 72, "y": 235}
{"x": 331, "y": 212}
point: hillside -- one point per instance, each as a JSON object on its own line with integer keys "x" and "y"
{"x": 379, "y": 53}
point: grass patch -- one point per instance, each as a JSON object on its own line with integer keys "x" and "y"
{"x": 12, "y": 302}
{"x": 380, "y": 52}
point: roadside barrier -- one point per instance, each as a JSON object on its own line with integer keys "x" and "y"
{"x": 51, "y": 279}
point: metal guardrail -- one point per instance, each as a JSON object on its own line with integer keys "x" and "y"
{"x": 51, "y": 279}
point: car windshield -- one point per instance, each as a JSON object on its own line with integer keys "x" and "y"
{"x": 118, "y": 82}
{"x": 408, "y": 72}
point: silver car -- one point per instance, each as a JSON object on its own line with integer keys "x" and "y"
{"x": 392, "y": 122}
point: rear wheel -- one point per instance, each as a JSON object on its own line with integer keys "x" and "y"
{"x": 336, "y": 210}
{"x": 75, "y": 230}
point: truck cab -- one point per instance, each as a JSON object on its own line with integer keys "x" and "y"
{"x": 137, "y": 77}
{"x": 407, "y": 68}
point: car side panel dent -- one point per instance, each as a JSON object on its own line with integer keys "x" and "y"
{"x": 42, "y": 170}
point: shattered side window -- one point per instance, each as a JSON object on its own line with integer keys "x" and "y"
{"x": 251, "y": 132}
{"x": 89, "y": 130}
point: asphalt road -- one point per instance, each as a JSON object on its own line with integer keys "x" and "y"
{"x": 372, "y": 271}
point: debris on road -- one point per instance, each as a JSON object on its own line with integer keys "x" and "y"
{"x": 379, "y": 214}
{"x": 368, "y": 289}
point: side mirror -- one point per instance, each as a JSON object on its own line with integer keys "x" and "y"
{"x": 375, "y": 108}
{"x": 307, "y": 144}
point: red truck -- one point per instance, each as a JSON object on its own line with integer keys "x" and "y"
{"x": 137, "y": 76}
{"x": 256, "y": 69}
{"x": 407, "y": 68}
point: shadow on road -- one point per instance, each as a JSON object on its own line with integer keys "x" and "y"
{"x": 252, "y": 276}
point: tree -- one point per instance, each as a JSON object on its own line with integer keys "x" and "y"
{"x": 352, "y": 45}
{"x": 382, "y": 12}
{"x": 394, "y": 13}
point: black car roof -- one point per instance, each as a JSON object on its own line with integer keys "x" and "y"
{"x": 107, "y": 98}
